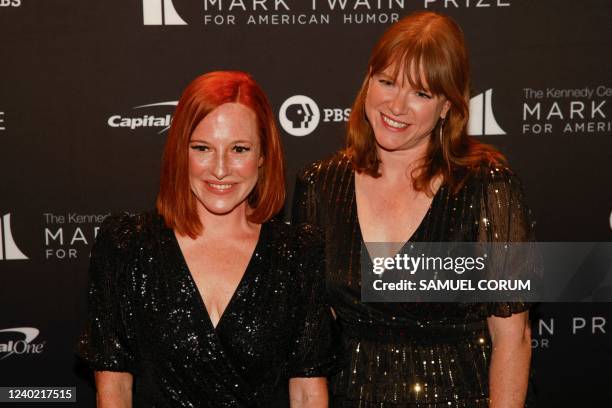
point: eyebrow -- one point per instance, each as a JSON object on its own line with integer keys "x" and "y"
{"x": 233, "y": 141}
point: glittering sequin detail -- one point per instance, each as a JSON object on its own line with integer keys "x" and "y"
{"x": 146, "y": 317}
{"x": 428, "y": 355}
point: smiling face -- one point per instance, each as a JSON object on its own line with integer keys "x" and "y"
{"x": 224, "y": 159}
{"x": 401, "y": 117}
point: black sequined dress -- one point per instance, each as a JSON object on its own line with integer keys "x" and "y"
{"x": 429, "y": 355}
{"x": 146, "y": 317}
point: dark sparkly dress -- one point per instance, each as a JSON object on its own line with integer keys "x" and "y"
{"x": 430, "y": 355}
{"x": 146, "y": 317}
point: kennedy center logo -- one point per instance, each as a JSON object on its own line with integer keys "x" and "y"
{"x": 160, "y": 12}
{"x": 8, "y": 248}
{"x": 482, "y": 121}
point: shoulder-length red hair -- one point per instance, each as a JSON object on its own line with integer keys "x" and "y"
{"x": 434, "y": 45}
{"x": 175, "y": 202}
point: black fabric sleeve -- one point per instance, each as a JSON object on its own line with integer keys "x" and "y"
{"x": 317, "y": 346}
{"x": 505, "y": 217}
{"x": 304, "y": 205}
{"x": 104, "y": 344}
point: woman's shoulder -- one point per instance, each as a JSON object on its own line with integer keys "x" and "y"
{"x": 301, "y": 236}
{"x": 121, "y": 231}
{"x": 338, "y": 163}
{"x": 300, "y": 248}
{"x": 494, "y": 175}
{"x": 500, "y": 190}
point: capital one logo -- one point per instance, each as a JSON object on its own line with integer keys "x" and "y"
{"x": 144, "y": 121}
{"x": 8, "y": 248}
{"x": 160, "y": 12}
{"x": 482, "y": 122}
{"x": 23, "y": 345}
{"x": 299, "y": 115}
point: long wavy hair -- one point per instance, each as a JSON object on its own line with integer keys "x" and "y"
{"x": 434, "y": 43}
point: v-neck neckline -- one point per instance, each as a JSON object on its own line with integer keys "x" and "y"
{"x": 196, "y": 291}
{"x": 353, "y": 192}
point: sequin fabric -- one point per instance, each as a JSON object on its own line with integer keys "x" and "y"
{"x": 146, "y": 317}
{"x": 428, "y": 355}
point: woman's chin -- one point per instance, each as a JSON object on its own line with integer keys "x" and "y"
{"x": 222, "y": 208}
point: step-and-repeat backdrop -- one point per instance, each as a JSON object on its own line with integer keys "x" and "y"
{"x": 88, "y": 89}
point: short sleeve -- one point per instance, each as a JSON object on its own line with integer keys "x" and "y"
{"x": 505, "y": 217}
{"x": 104, "y": 342}
{"x": 317, "y": 349}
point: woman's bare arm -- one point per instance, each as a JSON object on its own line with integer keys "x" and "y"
{"x": 114, "y": 389}
{"x": 510, "y": 360}
{"x": 308, "y": 392}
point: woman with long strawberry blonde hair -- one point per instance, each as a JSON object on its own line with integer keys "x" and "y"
{"x": 410, "y": 173}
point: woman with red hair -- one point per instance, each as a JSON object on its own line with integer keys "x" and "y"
{"x": 207, "y": 301}
{"x": 410, "y": 173}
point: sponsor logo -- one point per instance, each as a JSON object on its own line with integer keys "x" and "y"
{"x": 20, "y": 341}
{"x": 299, "y": 115}
{"x": 567, "y": 110}
{"x": 8, "y": 248}
{"x": 134, "y": 122}
{"x": 2, "y": 127}
{"x": 10, "y": 3}
{"x": 160, "y": 12}
{"x": 466, "y": 3}
{"x": 544, "y": 330}
{"x": 293, "y": 12}
{"x": 482, "y": 121}
{"x": 70, "y": 235}
{"x": 278, "y": 12}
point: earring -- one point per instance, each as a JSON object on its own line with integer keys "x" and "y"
{"x": 443, "y": 122}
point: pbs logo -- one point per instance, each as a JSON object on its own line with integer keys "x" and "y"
{"x": 10, "y": 3}
{"x": 299, "y": 115}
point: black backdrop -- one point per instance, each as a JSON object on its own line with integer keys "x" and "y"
{"x": 78, "y": 141}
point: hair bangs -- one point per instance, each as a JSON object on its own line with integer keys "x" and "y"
{"x": 426, "y": 68}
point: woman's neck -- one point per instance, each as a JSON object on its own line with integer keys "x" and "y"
{"x": 397, "y": 166}
{"x": 224, "y": 226}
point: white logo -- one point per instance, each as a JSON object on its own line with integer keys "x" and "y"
{"x": 482, "y": 121}
{"x": 24, "y": 346}
{"x": 299, "y": 115}
{"x": 543, "y": 331}
{"x": 574, "y": 110}
{"x": 160, "y": 12}
{"x": 10, "y": 3}
{"x": 68, "y": 235}
{"x": 467, "y": 4}
{"x": 118, "y": 121}
{"x": 2, "y": 121}
{"x": 8, "y": 248}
